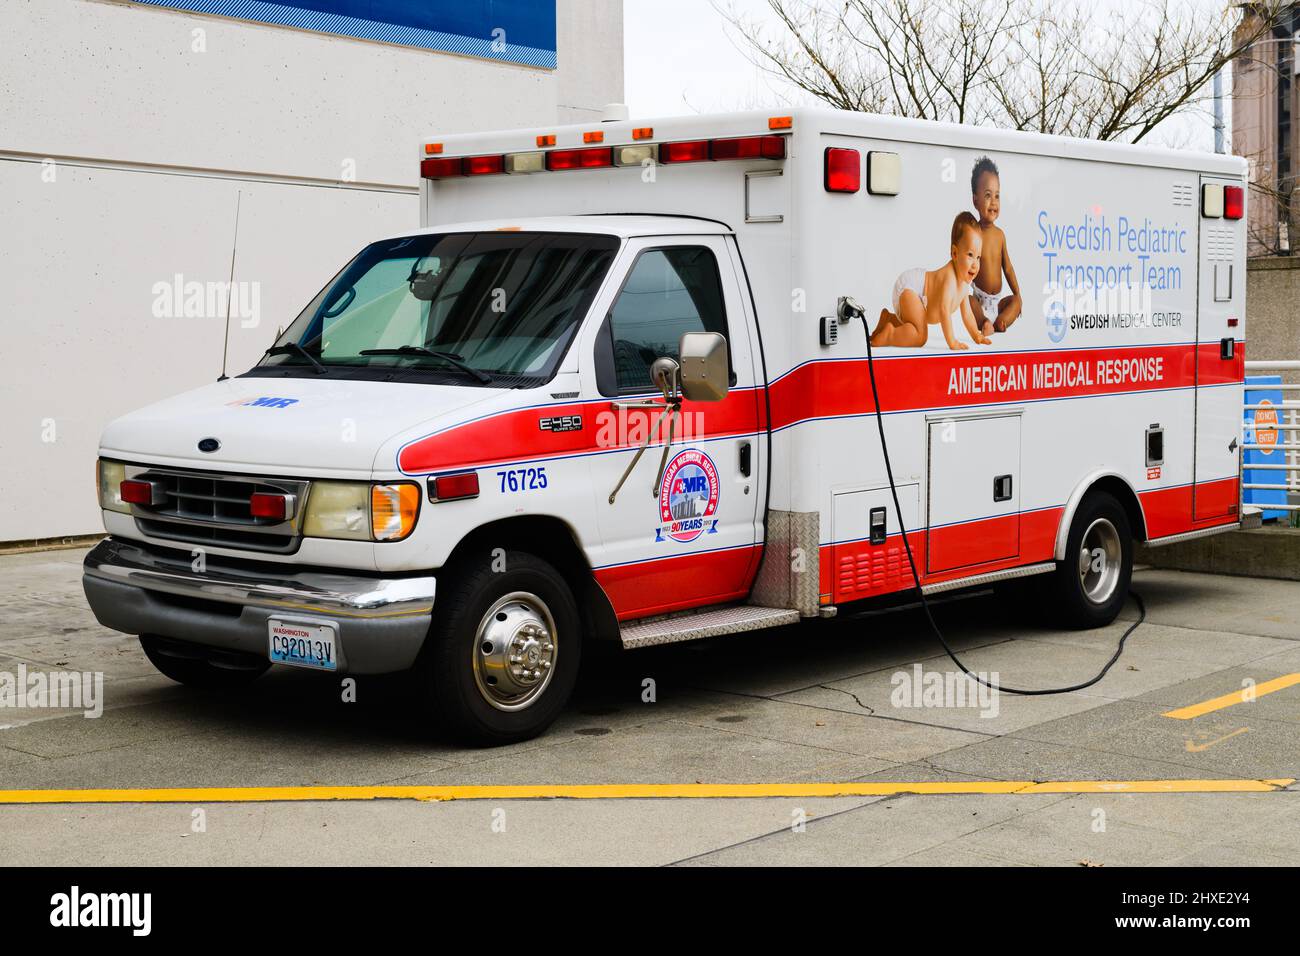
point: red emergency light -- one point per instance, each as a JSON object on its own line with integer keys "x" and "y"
{"x": 484, "y": 165}
{"x": 580, "y": 158}
{"x": 262, "y": 505}
{"x": 441, "y": 168}
{"x": 843, "y": 170}
{"x": 1234, "y": 202}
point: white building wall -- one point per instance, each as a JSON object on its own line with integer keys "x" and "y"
{"x": 126, "y": 141}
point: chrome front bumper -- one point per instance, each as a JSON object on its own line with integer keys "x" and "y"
{"x": 382, "y": 621}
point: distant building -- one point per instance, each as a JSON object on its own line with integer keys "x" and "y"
{"x": 1264, "y": 91}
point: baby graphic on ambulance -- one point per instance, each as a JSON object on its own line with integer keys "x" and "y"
{"x": 994, "y": 312}
{"x": 923, "y": 298}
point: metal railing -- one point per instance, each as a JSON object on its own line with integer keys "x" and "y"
{"x": 1288, "y": 437}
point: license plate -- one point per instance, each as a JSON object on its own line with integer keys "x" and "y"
{"x": 304, "y": 645}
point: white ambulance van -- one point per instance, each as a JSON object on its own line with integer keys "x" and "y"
{"x": 619, "y": 387}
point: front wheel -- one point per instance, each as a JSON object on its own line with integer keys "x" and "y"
{"x": 502, "y": 656}
{"x": 1090, "y": 586}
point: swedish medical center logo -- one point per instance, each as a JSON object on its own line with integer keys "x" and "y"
{"x": 689, "y": 497}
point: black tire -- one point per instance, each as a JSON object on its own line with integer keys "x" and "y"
{"x": 458, "y": 667}
{"x": 1079, "y": 599}
{"x": 196, "y": 667}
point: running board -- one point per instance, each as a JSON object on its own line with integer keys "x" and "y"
{"x": 710, "y": 623}
{"x": 991, "y": 578}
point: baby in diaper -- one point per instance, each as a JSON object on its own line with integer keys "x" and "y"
{"x": 922, "y": 299}
{"x": 994, "y": 312}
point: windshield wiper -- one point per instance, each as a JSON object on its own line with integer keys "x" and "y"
{"x": 293, "y": 348}
{"x": 449, "y": 357}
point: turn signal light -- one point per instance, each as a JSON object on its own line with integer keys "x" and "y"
{"x": 393, "y": 509}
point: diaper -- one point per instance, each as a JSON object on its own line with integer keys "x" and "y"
{"x": 913, "y": 279}
{"x": 988, "y": 301}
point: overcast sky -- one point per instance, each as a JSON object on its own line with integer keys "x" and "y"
{"x": 680, "y": 60}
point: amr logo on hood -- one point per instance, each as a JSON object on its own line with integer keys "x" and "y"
{"x": 265, "y": 402}
{"x": 689, "y": 497}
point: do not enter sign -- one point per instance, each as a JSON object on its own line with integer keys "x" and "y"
{"x": 1266, "y": 427}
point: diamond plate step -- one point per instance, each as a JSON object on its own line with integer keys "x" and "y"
{"x": 710, "y": 623}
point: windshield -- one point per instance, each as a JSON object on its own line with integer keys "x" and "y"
{"x": 482, "y": 308}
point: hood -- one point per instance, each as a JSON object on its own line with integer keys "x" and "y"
{"x": 306, "y": 426}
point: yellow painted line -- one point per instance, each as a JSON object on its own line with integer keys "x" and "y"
{"x": 1245, "y": 695}
{"x": 632, "y": 791}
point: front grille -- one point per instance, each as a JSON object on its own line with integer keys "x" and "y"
{"x": 205, "y": 508}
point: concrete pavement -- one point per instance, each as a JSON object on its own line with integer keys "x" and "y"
{"x": 820, "y": 702}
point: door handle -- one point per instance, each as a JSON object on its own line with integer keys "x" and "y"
{"x": 746, "y": 454}
{"x": 1002, "y": 488}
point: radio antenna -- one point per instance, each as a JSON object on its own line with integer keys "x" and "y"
{"x": 230, "y": 288}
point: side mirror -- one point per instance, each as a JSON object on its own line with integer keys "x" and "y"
{"x": 705, "y": 373}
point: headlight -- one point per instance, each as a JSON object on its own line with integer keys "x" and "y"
{"x": 360, "y": 511}
{"x": 338, "y": 509}
{"x": 111, "y": 475}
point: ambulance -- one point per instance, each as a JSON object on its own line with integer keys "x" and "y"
{"x": 647, "y": 381}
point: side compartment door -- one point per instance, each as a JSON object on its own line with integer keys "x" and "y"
{"x": 1221, "y": 289}
{"x": 697, "y": 541}
{"x": 973, "y": 491}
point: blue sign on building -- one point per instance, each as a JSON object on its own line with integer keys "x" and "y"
{"x": 515, "y": 31}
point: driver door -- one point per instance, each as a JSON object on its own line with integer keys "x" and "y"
{"x": 697, "y": 541}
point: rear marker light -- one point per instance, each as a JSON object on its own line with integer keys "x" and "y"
{"x": 525, "y": 162}
{"x": 432, "y": 149}
{"x": 843, "y": 170}
{"x": 780, "y": 122}
{"x": 580, "y": 158}
{"x": 692, "y": 151}
{"x": 595, "y": 136}
{"x": 451, "y": 487}
{"x": 634, "y": 155}
{"x": 546, "y": 140}
{"x": 484, "y": 165}
{"x": 135, "y": 492}
{"x": 749, "y": 147}
{"x": 1234, "y": 202}
{"x": 269, "y": 506}
{"x": 643, "y": 132}
{"x": 884, "y": 173}
{"x": 440, "y": 168}
{"x": 1212, "y": 201}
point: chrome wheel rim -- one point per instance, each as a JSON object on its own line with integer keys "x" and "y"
{"x": 1100, "y": 556}
{"x": 514, "y": 651}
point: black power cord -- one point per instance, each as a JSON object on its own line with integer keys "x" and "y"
{"x": 916, "y": 578}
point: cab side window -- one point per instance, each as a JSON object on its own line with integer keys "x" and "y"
{"x": 668, "y": 292}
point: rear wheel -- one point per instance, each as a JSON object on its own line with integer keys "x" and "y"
{"x": 1090, "y": 586}
{"x": 198, "y": 667}
{"x": 503, "y": 653}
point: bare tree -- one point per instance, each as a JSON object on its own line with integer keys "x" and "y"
{"x": 1054, "y": 66}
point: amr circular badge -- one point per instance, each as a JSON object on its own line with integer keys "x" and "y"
{"x": 689, "y": 496}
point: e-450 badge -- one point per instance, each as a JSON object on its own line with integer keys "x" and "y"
{"x": 561, "y": 423}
